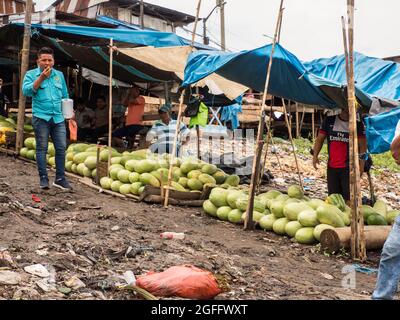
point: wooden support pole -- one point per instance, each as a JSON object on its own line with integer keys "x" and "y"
{"x": 268, "y": 139}
{"x": 302, "y": 118}
{"x": 358, "y": 248}
{"x": 98, "y": 165}
{"x": 198, "y": 141}
{"x": 297, "y": 121}
{"x": 110, "y": 105}
{"x": 14, "y": 86}
{"x": 80, "y": 81}
{"x": 292, "y": 143}
{"x": 313, "y": 125}
{"x": 173, "y": 155}
{"x": 24, "y": 68}
{"x": 178, "y": 121}
{"x": 249, "y": 223}
{"x": 346, "y": 49}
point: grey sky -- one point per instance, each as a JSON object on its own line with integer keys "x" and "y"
{"x": 310, "y": 29}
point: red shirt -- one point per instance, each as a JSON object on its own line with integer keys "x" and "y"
{"x": 337, "y": 132}
{"x": 135, "y": 112}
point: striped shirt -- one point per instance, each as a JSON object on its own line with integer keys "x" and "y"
{"x": 165, "y": 136}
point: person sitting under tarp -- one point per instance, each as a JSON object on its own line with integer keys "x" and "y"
{"x": 134, "y": 117}
{"x": 164, "y": 132}
{"x": 85, "y": 120}
{"x": 101, "y": 116}
{"x": 3, "y": 102}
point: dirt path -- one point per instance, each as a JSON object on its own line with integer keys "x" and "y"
{"x": 76, "y": 234}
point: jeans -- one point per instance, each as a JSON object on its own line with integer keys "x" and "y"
{"x": 58, "y": 134}
{"x": 389, "y": 266}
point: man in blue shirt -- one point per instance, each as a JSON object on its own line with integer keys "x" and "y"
{"x": 47, "y": 88}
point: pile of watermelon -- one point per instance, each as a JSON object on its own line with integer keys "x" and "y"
{"x": 10, "y": 124}
{"x": 130, "y": 172}
{"x": 291, "y": 214}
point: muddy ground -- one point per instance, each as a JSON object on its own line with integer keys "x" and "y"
{"x": 86, "y": 234}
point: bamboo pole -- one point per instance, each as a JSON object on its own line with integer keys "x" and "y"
{"x": 292, "y": 143}
{"x": 268, "y": 139}
{"x": 358, "y": 248}
{"x": 346, "y": 49}
{"x": 110, "y": 105}
{"x": 14, "y": 86}
{"x": 178, "y": 121}
{"x": 313, "y": 126}
{"x": 297, "y": 121}
{"x": 302, "y": 118}
{"x": 249, "y": 223}
{"x": 24, "y": 68}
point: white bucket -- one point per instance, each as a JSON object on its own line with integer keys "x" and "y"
{"x": 68, "y": 108}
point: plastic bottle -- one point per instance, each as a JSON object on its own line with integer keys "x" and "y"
{"x": 172, "y": 235}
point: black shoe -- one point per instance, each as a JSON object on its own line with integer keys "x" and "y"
{"x": 63, "y": 184}
{"x": 44, "y": 183}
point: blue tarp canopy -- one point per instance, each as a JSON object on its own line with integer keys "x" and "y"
{"x": 381, "y": 130}
{"x": 375, "y": 77}
{"x": 129, "y": 26}
{"x": 289, "y": 78}
{"x": 320, "y": 82}
{"x": 136, "y": 37}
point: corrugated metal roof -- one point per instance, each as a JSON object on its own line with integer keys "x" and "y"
{"x": 81, "y": 7}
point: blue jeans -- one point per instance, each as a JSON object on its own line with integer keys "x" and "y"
{"x": 58, "y": 134}
{"x": 389, "y": 266}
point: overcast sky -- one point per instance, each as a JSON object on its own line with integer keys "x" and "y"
{"x": 311, "y": 28}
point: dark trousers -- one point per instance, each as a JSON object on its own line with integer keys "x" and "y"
{"x": 57, "y": 133}
{"x": 127, "y": 131}
{"x": 339, "y": 182}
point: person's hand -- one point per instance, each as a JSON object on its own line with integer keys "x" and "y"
{"x": 46, "y": 73}
{"x": 315, "y": 162}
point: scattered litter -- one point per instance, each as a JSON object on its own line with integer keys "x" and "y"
{"x": 130, "y": 278}
{"x": 130, "y": 252}
{"x": 71, "y": 202}
{"x": 9, "y": 277}
{"x": 35, "y": 211}
{"x": 172, "y": 235}
{"x": 45, "y": 285}
{"x": 115, "y": 228}
{"x": 36, "y": 199}
{"x": 74, "y": 283}
{"x": 64, "y": 290}
{"x": 366, "y": 270}
{"x": 42, "y": 252}
{"x": 90, "y": 208}
{"x": 5, "y": 259}
{"x": 37, "y": 270}
{"x": 327, "y": 276}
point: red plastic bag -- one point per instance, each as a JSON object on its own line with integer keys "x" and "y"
{"x": 73, "y": 130}
{"x": 183, "y": 281}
